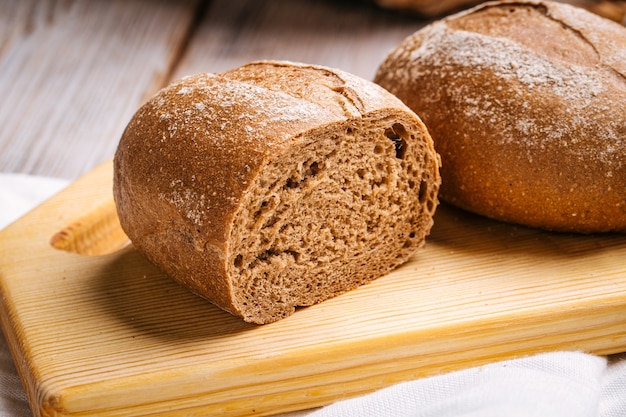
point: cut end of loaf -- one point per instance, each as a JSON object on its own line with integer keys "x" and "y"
{"x": 345, "y": 206}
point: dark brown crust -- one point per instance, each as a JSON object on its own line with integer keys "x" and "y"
{"x": 190, "y": 158}
{"x": 525, "y": 102}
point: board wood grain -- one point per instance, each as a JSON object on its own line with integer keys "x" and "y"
{"x": 110, "y": 335}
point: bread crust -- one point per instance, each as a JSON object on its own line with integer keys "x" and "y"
{"x": 525, "y": 102}
{"x": 204, "y": 164}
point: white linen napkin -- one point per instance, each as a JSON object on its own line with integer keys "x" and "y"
{"x": 568, "y": 384}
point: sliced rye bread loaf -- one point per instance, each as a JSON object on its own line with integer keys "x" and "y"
{"x": 275, "y": 185}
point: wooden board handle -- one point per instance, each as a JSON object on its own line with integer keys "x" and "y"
{"x": 95, "y": 233}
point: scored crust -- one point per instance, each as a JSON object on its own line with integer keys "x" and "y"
{"x": 525, "y": 102}
{"x": 275, "y": 185}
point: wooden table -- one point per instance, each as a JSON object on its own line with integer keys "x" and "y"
{"x": 73, "y": 73}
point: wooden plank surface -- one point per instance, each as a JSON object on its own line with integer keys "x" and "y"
{"x": 110, "y": 335}
{"x": 349, "y": 35}
{"x": 73, "y": 73}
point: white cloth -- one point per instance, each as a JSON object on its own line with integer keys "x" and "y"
{"x": 568, "y": 384}
{"x": 559, "y": 384}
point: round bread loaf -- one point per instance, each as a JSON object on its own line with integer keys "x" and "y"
{"x": 526, "y": 103}
{"x": 275, "y": 185}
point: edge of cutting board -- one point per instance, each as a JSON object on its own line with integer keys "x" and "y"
{"x": 110, "y": 335}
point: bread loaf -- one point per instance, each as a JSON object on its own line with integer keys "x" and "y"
{"x": 275, "y": 185}
{"x": 526, "y": 103}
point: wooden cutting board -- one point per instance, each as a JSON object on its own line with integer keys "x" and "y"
{"x": 96, "y": 330}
